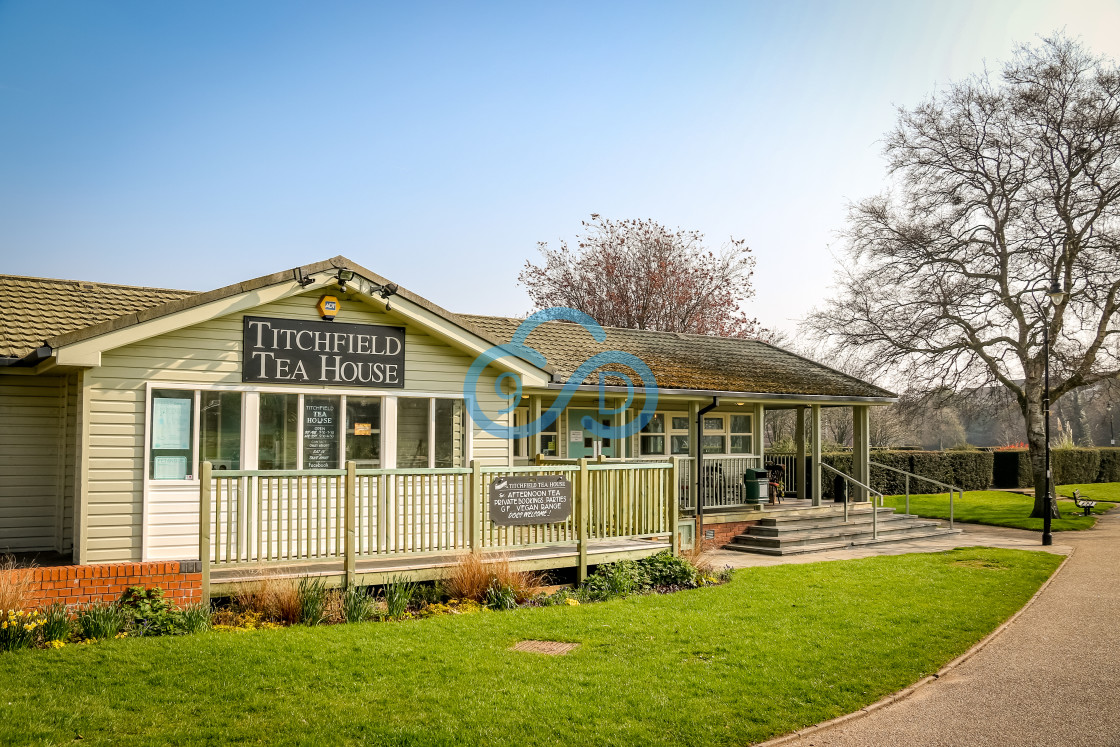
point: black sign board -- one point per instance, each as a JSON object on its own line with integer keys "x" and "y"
{"x": 530, "y": 499}
{"x": 295, "y": 351}
{"x": 320, "y": 432}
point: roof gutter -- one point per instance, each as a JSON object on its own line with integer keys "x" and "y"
{"x": 890, "y": 398}
{"x": 33, "y": 358}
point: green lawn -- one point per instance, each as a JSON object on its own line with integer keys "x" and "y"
{"x": 775, "y": 649}
{"x": 1099, "y": 490}
{"x": 1002, "y": 509}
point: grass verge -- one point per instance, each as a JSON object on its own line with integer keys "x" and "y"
{"x": 996, "y": 508}
{"x": 776, "y": 649}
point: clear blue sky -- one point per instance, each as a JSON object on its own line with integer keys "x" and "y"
{"x": 195, "y": 144}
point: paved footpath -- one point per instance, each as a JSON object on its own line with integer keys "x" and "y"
{"x": 1051, "y": 678}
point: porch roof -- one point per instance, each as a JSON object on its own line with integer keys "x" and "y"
{"x": 689, "y": 362}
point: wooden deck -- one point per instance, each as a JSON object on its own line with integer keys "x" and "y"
{"x": 415, "y": 567}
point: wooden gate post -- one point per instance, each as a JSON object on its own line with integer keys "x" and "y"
{"x": 674, "y": 503}
{"x": 474, "y": 515}
{"x": 351, "y": 523}
{"x": 204, "y": 529}
{"x": 582, "y": 510}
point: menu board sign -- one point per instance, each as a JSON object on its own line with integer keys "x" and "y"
{"x": 530, "y": 499}
{"x": 320, "y": 432}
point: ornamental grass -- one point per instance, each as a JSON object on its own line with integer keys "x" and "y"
{"x": 15, "y": 584}
{"x": 472, "y": 578}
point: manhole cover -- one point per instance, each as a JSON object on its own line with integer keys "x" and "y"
{"x": 552, "y": 648}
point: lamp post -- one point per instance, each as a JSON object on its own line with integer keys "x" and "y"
{"x": 1056, "y": 294}
{"x": 1111, "y": 425}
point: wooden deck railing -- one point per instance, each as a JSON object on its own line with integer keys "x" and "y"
{"x": 254, "y": 517}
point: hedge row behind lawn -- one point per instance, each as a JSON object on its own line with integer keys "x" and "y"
{"x": 970, "y": 470}
{"x": 974, "y": 470}
{"x": 1012, "y": 469}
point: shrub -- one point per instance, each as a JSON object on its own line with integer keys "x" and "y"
{"x": 1110, "y": 466}
{"x": 398, "y": 593}
{"x": 666, "y": 569}
{"x": 312, "y": 595}
{"x": 148, "y": 613}
{"x": 426, "y": 594}
{"x": 357, "y": 604}
{"x": 616, "y": 580}
{"x": 15, "y": 584}
{"x": 100, "y": 621}
{"x": 57, "y": 623}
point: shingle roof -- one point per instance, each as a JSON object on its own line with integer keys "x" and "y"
{"x": 684, "y": 361}
{"x": 33, "y": 310}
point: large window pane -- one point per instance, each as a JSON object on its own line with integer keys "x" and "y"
{"x": 740, "y": 444}
{"x": 740, "y": 423}
{"x": 321, "y": 429}
{"x": 713, "y": 445}
{"x": 656, "y": 424}
{"x": 172, "y": 436}
{"x": 680, "y": 444}
{"x": 449, "y": 432}
{"x": 680, "y": 423}
{"x": 652, "y": 445}
{"x": 220, "y": 441}
{"x": 412, "y": 432}
{"x": 278, "y": 431}
{"x": 363, "y": 431}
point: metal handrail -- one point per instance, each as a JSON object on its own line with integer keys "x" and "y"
{"x": 938, "y": 483}
{"x": 869, "y": 489}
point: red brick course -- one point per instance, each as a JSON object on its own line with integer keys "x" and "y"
{"x": 82, "y": 584}
{"x": 724, "y": 531}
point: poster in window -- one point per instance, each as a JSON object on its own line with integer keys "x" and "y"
{"x": 169, "y": 468}
{"x": 320, "y": 433}
{"x": 171, "y": 424}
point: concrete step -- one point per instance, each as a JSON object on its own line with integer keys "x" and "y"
{"x": 861, "y": 517}
{"x": 848, "y": 534}
{"x": 841, "y": 545}
{"x": 786, "y": 534}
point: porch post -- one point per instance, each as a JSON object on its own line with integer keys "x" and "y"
{"x": 799, "y": 464}
{"x": 534, "y": 442}
{"x": 861, "y": 450}
{"x": 815, "y": 460}
{"x": 204, "y": 480}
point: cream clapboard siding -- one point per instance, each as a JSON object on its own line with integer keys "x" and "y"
{"x": 210, "y": 353}
{"x": 69, "y": 460}
{"x": 31, "y": 423}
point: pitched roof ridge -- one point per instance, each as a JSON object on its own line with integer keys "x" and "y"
{"x": 681, "y": 335}
{"x": 4, "y": 276}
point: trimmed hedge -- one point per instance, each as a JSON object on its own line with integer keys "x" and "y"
{"x": 1075, "y": 466}
{"x": 974, "y": 470}
{"x": 1012, "y": 469}
{"x": 1110, "y": 466}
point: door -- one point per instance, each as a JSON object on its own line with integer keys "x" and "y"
{"x": 587, "y": 444}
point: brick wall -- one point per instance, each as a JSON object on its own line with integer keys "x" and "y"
{"x": 181, "y": 582}
{"x": 724, "y": 531}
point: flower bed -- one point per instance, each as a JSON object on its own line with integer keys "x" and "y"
{"x": 471, "y": 586}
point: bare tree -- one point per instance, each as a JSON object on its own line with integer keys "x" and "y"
{"x": 639, "y": 274}
{"x": 1001, "y": 184}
